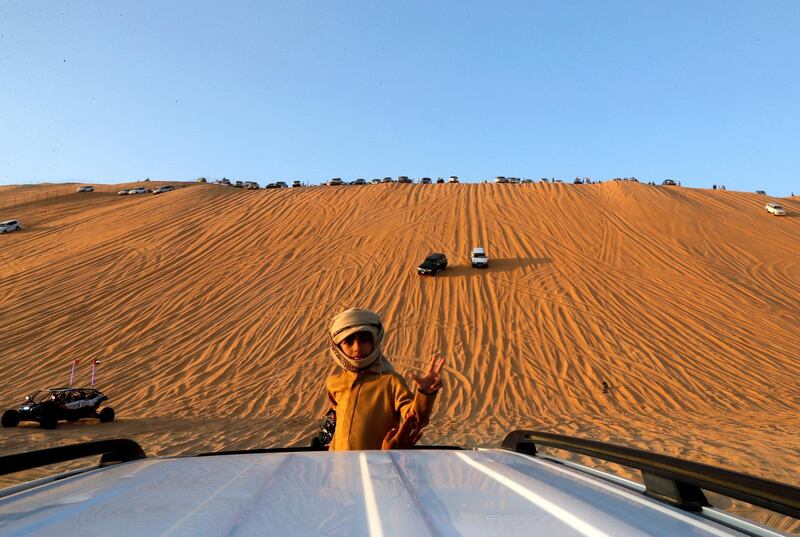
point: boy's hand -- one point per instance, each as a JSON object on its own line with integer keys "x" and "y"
{"x": 405, "y": 437}
{"x": 431, "y": 382}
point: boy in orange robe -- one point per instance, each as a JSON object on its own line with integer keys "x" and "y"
{"x": 374, "y": 407}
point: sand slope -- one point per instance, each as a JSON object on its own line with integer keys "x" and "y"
{"x": 208, "y": 308}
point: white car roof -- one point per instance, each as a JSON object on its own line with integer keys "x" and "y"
{"x": 371, "y": 493}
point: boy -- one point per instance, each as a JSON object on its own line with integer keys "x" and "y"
{"x": 369, "y": 397}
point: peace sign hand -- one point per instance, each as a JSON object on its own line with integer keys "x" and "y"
{"x": 431, "y": 382}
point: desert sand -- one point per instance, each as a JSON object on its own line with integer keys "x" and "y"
{"x": 208, "y": 308}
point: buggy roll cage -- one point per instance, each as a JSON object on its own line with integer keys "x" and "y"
{"x": 667, "y": 479}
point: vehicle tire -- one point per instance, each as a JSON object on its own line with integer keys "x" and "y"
{"x": 3, "y": 231}
{"x": 10, "y": 418}
{"x": 106, "y": 415}
{"x": 49, "y": 419}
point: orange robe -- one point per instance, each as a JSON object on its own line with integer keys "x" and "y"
{"x": 368, "y": 405}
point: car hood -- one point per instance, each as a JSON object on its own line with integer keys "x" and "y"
{"x": 405, "y": 492}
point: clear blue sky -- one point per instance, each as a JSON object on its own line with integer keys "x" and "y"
{"x": 700, "y": 91}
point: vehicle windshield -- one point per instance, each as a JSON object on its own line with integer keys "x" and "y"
{"x": 479, "y": 254}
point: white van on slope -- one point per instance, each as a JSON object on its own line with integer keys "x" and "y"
{"x": 776, "y": 209}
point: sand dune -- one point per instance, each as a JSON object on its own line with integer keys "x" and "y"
{"x": 208, "y": 308}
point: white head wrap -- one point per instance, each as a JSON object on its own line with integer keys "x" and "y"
{"x": 358, "y": 320}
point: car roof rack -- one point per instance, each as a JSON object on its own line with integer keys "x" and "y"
{"x": 668, "y": 479}
{"x": 113, "y": 451}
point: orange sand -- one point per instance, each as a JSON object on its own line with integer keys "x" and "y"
{"x": 208, "y": 308}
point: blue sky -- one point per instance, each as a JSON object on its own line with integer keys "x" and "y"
{"x": 701, "y": 91}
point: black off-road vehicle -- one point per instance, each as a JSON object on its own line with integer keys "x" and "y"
{"x": 48, "y": 407}
{"x": 433, "y": 263}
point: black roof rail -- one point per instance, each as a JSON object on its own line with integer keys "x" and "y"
{"x": 113, "y": 451}
{"x": 669, "y": 479}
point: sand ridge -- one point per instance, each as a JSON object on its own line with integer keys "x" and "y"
{"x": 208, "y": 308}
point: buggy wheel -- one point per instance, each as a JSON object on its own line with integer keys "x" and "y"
{"x": 10, "y": 418}
{"x": 106, "y": 415}
{"x": 49, "y": 418}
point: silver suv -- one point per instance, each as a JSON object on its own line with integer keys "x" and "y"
{"x": 10, "y": 225}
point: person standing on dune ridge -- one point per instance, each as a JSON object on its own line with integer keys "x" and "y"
{"x": 374, "y": 407}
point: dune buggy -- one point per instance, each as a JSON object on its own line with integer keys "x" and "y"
{"x": 48, "y": 407}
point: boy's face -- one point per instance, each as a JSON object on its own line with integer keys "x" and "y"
{"x": 357, "y": 346}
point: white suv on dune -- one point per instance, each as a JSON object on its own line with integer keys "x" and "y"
{"x": 478, "y": 258}
{"x": 776, "y": 209}
{"x": 10, "y": 225}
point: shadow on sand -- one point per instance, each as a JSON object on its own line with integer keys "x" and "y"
{"x": 502, "y": 264}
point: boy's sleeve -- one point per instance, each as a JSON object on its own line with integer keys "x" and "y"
{"x": 405, "y": 401}
{"x": 331, "y": 398}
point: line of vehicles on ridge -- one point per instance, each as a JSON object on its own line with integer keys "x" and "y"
{"x": 132, "y": 191}
{"x": 143, "y": 190}
{"x": 252, "y": 185}
{"x": 9, "y": 226}
{"x": 403, "y": 179}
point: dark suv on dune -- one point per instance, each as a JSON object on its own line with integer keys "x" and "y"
{"x": 434, "y": 263}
